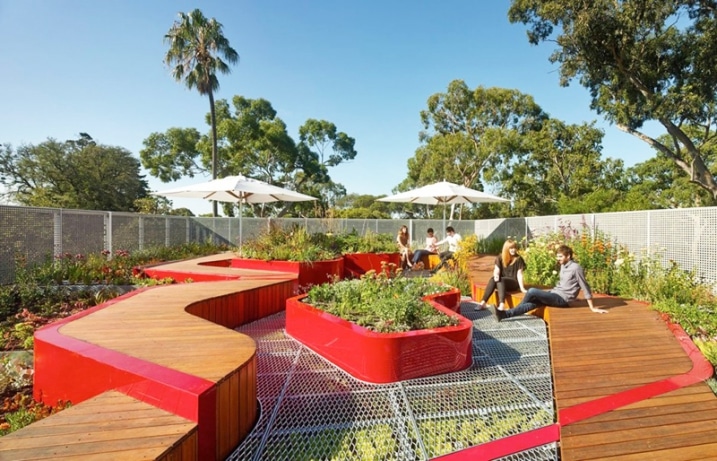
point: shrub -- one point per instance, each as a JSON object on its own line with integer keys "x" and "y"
{"x": 296, "y": 244}
{"x": 382, "y": 303}
{"x": 370, "y": 242}
{"x": 293, "y": 244}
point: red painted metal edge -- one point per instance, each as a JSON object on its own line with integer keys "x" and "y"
{"x": 701, "y": 370}
{"x": 507, "y": 445}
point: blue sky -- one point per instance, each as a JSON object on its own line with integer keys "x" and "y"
{"x": 93, "y": 66}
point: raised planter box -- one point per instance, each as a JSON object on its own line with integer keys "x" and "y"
{"x": 308, "y": 273}
{"x": 383, "y": 357}
{"x": 357, "y": 264}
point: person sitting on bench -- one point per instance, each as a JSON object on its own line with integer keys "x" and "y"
{"x": 572, "y": 280}
{"x": 452, "y": 238}
{"x": 507, "y": 275}
{"x": 430, "y": 248}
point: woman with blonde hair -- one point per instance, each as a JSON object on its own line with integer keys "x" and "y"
{"x": 404, "y": 246}
{"x": 507, "y": 275}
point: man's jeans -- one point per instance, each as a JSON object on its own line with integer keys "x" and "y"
{"x": 536, "y": 298}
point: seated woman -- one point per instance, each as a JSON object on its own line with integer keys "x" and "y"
{"x": 404, "y": 246}
{"x": 431, "y": 247}
{"x": 507, "y": 275}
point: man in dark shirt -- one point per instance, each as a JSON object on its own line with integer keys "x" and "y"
{"x": 572, "y": 280}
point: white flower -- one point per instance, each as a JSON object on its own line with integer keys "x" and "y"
{"x": 555, "y": 272}
{"x": 619, "y": 262}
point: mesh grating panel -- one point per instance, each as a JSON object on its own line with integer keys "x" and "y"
{"x": 312, "y": 410}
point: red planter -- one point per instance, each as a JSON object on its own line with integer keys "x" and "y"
{"x": 383, "y": 357}
{"x": 309, "y": 273}
{"x": 357, "y": 264}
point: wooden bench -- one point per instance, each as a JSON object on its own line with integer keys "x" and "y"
{"x": 173, "y": 347}
{"x": 627, "y": 385}
{"x": 109, "y": 426}
{"x": 430, "y": 261}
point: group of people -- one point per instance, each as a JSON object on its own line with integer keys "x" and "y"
{"x": 508, "y": 271}
{"x": 508, "y": 276}
{"x": 411, "y": 259}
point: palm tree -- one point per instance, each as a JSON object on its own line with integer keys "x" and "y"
{"x": 196, "y": 48}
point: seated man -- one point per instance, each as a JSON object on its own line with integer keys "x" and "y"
{"x": 572, "y": 280}
{"x": 452, "y": 238}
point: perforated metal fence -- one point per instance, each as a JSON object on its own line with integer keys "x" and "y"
{"x": 685, "y": 236}
{"x": 313, "y": 410}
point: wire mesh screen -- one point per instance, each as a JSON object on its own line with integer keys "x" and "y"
{"x": 623, "y": 227}
{"x": 313, "y": 410}
{"x": 154, "y": 231}
{"x": 125, "y": 232}
{"x": 682, "y": 236}
{"x": 27, "y": 237}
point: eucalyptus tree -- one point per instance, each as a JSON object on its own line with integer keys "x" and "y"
{"x": 642, "y": 61}
{"x": 468, "y": 135}
{"x": 469, "y": 132}
{"x": 560, "y": 166}
{"x": 198, "y": 50}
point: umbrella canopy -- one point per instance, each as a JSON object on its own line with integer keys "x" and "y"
{"x": 236, "y": 189}
{"x": 443, "y": 193}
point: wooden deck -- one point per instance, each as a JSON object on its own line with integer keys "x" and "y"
{"x": 110, "y": 426}
{"x": 627, "y": 386}
{"x": 171, "y": 346}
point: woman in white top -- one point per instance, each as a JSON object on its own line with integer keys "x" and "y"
{"x": 431, "y": 247}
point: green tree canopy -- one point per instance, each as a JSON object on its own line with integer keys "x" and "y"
{"x": 641, "y": 61}
{"x": 468, "y": 136}
{"x": 72, "y": 174}
{"x": 560, "y": 170}
{"x": 360, "y": 206}
{"x": 254, "y": 142}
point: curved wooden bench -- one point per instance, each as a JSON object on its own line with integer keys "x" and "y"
{"x": 171, "y": 346}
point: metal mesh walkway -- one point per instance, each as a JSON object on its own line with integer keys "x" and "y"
{"x": 312, "y": 410}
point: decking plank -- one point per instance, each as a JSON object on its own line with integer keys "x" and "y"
{"x": 125, "y": 429}
{"x": 595, "y": 356}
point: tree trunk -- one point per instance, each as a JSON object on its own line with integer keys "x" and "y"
{"x": 213, "y": 116}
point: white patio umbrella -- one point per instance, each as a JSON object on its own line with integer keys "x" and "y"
{"x": 236, "y": 189}
{"x": 443, "y": 193}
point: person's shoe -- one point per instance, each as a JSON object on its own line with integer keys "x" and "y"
{"x": 498, "y": 314}
{"x": 480, "y": 307}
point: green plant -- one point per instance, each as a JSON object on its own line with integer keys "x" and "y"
{"x": 593, "y": 249}
{"x": 455, "y": 277}
{"x": 292, "y": 244}
{"x": 382, "y": 303}
{"x": 490, "y": 246}
{"x": 369, "y": 242}
{"x": 21, "y": 410}
{"x": 296, "y": 244}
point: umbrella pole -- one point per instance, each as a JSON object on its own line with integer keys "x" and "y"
{"x": 241, "y": 218}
